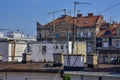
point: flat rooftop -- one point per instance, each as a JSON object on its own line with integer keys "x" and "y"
{"x": 42, "y": 67}
{"x": 29, "y": 67}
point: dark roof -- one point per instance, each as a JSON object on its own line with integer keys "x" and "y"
{"x": 29, "y": 67}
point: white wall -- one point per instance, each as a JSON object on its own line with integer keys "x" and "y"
{"x": 4, "y": 50}
{"x": 75, "y": 61}
{"x": 36, "y": 50}
{"x": 29, "y": 76}
{"x": 37, "y": 55}
{"x": 19, "y": 49}
{"x": 1, "y": 35}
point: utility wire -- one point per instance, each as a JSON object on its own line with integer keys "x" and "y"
{"x": 109, "y": 7}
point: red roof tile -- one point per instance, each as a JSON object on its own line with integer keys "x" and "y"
{"x": 112, "y": 28}
{"x": 87, "y": 21}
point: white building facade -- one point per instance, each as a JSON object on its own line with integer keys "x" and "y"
{"x": 13, "y": 45}
{"x": 42, "y": 51}
{"x": 7, "y": 49}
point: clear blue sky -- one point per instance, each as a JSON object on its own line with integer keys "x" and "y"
{"x": 23, "y": 14}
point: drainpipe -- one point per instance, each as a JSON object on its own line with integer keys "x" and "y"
{"x": 14, "y": 49}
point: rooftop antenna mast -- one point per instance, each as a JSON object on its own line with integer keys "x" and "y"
{"x": 73, "y": 29}
{"x": 53, "y": 14}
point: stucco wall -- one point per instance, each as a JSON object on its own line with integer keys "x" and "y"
{"x": 29, "y": 76}
{"x": 37, "y": 54}
{"x": 4, "y": 51}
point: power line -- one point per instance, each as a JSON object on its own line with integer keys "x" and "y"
{"x": 110, "y": 7}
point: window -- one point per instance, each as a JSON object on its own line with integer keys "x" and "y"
{"x": 57, "y": 35}
{"x": 61, "y": 46}
{"x": 40, "y": 48}
{"x": 66, "y": 46}
{"x": 56, "y": 46}
{"x": 89, "y": 34}
{"x": 89, "y": 48}
{"x": 110, "y": 42}
{"x": 43, "y": 49}
{"x": 81, "y": 34}
{"x": 69, "y": 35}
{"x": 105, "y": 44}
{"x": 98, "y": 42}
{"x": 117, "y": 44}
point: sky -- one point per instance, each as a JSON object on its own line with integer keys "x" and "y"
{"x": 23, "y": 14}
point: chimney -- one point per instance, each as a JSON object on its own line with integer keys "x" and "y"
{"x": 90, "y": 14}
{"x": 92, "y": 61}
{"x": 63, "y": 16}
{"x": 58, "y": 59}
{"x": 79, "y": 15}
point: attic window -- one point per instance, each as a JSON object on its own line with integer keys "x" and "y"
{"x": 108, "y": 32}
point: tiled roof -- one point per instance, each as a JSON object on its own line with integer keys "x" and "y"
{"x": 112, "y": 28}
{"x": 86, "y": 21}
{"x": 58, "y": 20}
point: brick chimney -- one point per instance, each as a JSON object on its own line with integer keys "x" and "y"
{"x": 90, "y": 14}
{"x": 63, "y": 16}
{"x": 79, "y": 15}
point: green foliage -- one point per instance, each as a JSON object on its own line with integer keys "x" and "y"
{"x": 67, "y": 77}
